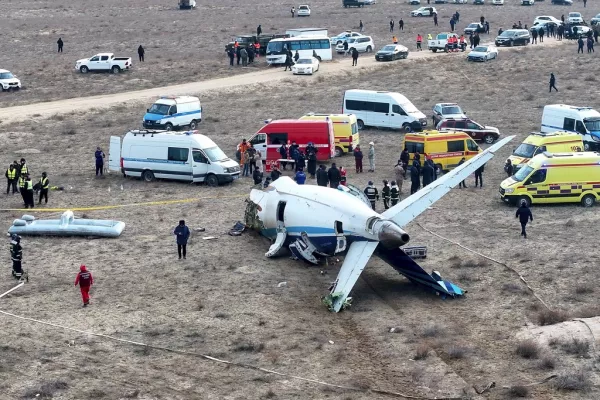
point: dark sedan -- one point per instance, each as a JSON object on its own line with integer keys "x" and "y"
{"x": 513, "y": 37}
{"x": 391, "y": 52}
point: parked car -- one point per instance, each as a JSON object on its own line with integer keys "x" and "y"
{"x": 542, "y": 24}
{"x": 391, "y": 52}
{"x": 595, "y": 20}
{"x": 582, "y": 30}
{"x": 478, "y": 2}
{"x": 443, "y": 111}
{"x": 497, "y": 2}
{"x": 459, "y": 1}
{"x": 574, "y": 18}
{"x": 527, "y": 2}
{"x": 343, "y": 36}
{"x": 414, "y": 2}
{"x": 487, "y": 134}
{"x": 423, "y": 12}
{"x": 353, "y": 3}
{"x": 8, "y": 81}
{"x": 172, "y": 112}
{"x": 187, "y": 4}
{"x": 103, "y": 62}
{"x": 361, "y": 44}
{"x": 440, "y": 41}
{"x": 440, "y": 2}
{"x": 303, "y": 10}
{"x": 474, "y": 27}
{"x": 547, "y": 18}
{"x": 483, "y": 53}
{"x": 369, "y": 2}
{"x": 562, "y": 2}
{"x": 305, "y": 66}
{"x": 513, "y": 37}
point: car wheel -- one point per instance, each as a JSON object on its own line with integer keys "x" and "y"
{"x": 168, "y": 126}
{"x": 84, "y": 69}
{"x": 406, "y": 128}
{"x": 434, "y": 50}
{"x": 489, "y": 139}
{"x": 338, "y": 151}
{"x": 369, "y": 49}
{"x": 526, "y": 199}
{"x": 116, "y": 69}
{"x": 588, "y": 200}
{"x": 511, "y": 43}
{"x": 360, "y": 124}
{"x": 193, "y": 124}
{"x": 148, "y": 176}
{"x": 212, "y": 180}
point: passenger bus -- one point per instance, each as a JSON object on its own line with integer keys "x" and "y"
{"x": 276, "y": 48}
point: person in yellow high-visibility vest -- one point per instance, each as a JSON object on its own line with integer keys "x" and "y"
{"x": 29, "y": 192}
{"x": 11, "y": 176}
{"x": 22, "y": 188}
{"x": 44, "y": 187}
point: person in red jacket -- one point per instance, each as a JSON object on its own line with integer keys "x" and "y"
{"x": 84, "y": 280}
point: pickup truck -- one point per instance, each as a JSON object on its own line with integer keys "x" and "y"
{"x": 103, "y": 62}
{"x": 440, "y": 41}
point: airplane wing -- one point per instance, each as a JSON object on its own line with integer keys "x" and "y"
{"x": 356, "y": 259}
{"x": 411, "y": 207}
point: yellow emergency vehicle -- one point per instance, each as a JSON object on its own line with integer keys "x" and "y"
{"x": 446, "y": 149}
{"x": 537, "y": 143}
{"x": 345, "y": 130}
{"x": 555, "y": 178}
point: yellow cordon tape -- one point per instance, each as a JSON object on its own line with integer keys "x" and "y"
{"x": 95, "y": 208}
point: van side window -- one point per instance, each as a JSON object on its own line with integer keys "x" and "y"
{"x": 173, "y": 110}
{"x": 358, "y": 105}
{"x": 381, "y": 107}
{"x": 259, "y": 139}
{"x": 471, "y": 145}
{"x": 580, "y": 128}
{"x": 278, "y": 138}
{"x": 199, "y": 157}
{"x": 396, "y": 109}
{"x": 178, "y": 154}
{"x": 415, "y": 147}
{"x": 569, "y": 124}
{"x": 538, "y": 176}
{"x": 456, "y": 145}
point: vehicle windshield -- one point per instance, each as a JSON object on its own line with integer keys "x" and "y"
{"x": 304, "y": 61}
{"x": 215, "y": 154}
{"x": 161, "y": 109}
{"x": 525, "y": 150}
{"x": 451, "y": 110}
{"x": 274, "y": 47}
{"x": 508, "y": 34}
{"x": 592, "y": 125}
{"x": 473, "y": 25}
{"x": 409, "y": 108}
{"x": 522, "y": 173}
{"x": 574, "y": 14}
{"x": 351, "y": 40}
{"x": 6, "y": 75}
{"x": 303, "y": 8}
{"x": 389, "y": 48}
{"x": 481, "y": 49}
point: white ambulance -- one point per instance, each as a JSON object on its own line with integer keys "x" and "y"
{"x": 187, "y": 156}
{"x": 582, "y": 120}
{"x": 170, "y": 112}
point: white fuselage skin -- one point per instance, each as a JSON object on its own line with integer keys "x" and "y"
{"x": 318, "y": 211}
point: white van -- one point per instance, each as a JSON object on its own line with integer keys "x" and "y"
{"x": 187, "y": 156}
{"x": 582, "y": 120}
{"x": 382, "y": 109}
{"x": 170, "y": 112}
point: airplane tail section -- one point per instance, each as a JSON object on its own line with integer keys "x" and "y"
{"x": 406, "y": 266}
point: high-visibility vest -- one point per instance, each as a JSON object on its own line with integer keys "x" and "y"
{"x": 29, "y": 185}
{"x": 44, "y": 183}
{"x": 24, "y": 169}
{"x": 11, "y": 173}
{"x": 21, "y": 181}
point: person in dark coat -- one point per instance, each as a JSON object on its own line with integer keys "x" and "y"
{"x": 258, "y": 30}
{"x": 300, "y": 162}
{"x": 427, "y": 174}
{"x": 524, "y": 214}
{"x": 257, "y": 176}
{"x": 552, "y": 82}
{"x": 141, "y": 53}
{"x": 334, "y": 176}
{"x": 288, "y": 61}
{"x": 231, "y": 55}
{"x": 60, "y": 44}
{"x": 580, "y": 45}
{"x": 345, "y": 48}
{"x": 238, "y": 55}
{"x": 405, "y": 158}
{"x": 354, "y": 57}
{"x": 250, "y": 51}
{"x": 541, "y": 34}
{"x": 183, "y": 234}
{"x": 386, "y": 194}
{"x": 372, "y": 194}
{"x": 296, "y": 56}
{"x": 275, "y": 174}
{"x": 401, "y": 25}
{"x": 311, "y": 155}
{"x": 322, "y": 177}
{"x": 358, "y": 157}
{"x": 508, "y": 168}
{"x": 462, "y": 184}
{"x": 414, "y": 179}
{"x": 479, "y": 176}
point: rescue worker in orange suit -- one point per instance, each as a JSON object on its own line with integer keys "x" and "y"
{"x": 463, "y": 44}
{"x": 85, "y": 281}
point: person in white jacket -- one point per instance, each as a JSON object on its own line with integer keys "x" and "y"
{"x": 371, "y": 157}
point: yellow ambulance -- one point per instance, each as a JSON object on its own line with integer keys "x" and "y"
{"x": 345, "y": 130}
{"x": 555, "y": 178}
{"x": 537, "y": 143}
{"x": 445, "y": 148}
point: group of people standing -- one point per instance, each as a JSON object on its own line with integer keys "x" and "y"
{"x": 18, "y": 178}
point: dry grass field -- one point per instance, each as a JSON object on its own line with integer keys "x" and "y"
{"x": 224, "y": 300}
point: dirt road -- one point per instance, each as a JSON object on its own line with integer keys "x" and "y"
{"x": 270, "y": 75}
